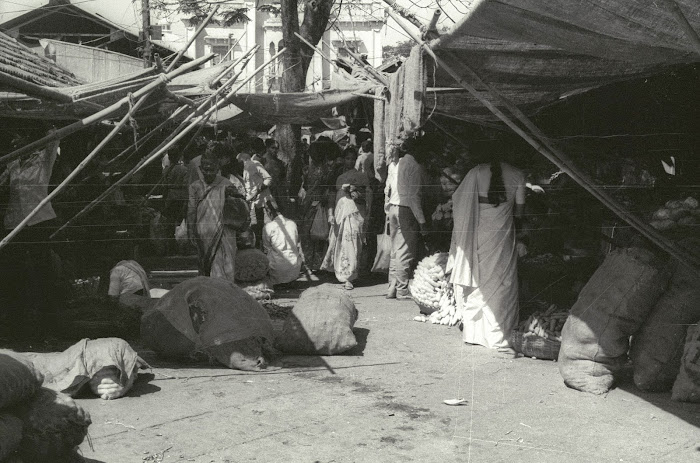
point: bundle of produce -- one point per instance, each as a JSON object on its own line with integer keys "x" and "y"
{"x": 443, "y": 211}
{"x": 676, "y": 213}
{"x": 429, "y": 282}
{"x": 540, "y": 335}
{"x": 448, "y": 313}
{"x": 260, "y": 290}
{"x": 546, "y": 324}
{"x": 251, "y": 265}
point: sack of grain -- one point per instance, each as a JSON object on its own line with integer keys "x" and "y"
{"x": 202, "y": 314}
{"x": 19, "y": 380}
{"x": 251, "y": 265}
{"x": 53, "y": 425}
{"x": 658, "y": 346}
{"x": 69, "y": 371}
{"x": 610, "y": 308}
{"x": 10, "y": 434}
{"x": 687, "y": 385}
{"x": 320, "y": 323}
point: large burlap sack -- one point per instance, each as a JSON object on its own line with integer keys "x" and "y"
{"x": 19, "y": 380}
{"x": 53, "y": 425}
{"x": 69, "y": 371}
{"x": 10, "y": 434}
{"x": 687, "y": 385}
{"x": 610, "y": 308}
{"x": 658, "y": 346}
{"x": 204, "y": 313}
{"x": 320, "y": 323}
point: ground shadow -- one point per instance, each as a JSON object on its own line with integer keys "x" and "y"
{"x": 361, "y": 334}
{"x": 688, "y": 412}
{"x": 142, "y": 385}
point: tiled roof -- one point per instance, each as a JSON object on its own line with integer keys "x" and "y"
{"x": 21, "y": 62}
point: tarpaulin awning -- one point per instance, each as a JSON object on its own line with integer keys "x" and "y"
{"x": 536, "y": 52}
{"x": 295, "y": 108}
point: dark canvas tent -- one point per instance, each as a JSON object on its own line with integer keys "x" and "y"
{"x": 535, "y": 52}
{"x": 514, "y": 57}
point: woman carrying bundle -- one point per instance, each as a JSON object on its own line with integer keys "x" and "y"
{"x": 347, "y": 230}
{"x": 215, "y": 241}
{"x": 483, "y": 257}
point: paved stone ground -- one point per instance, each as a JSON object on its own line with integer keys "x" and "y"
{"x": 383, "y": 402}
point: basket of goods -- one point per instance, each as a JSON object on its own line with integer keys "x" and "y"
{"x": 251, "y": 265}
{"x": 432, "y": 292}
{"x": 540, "y": 335}
{"x": 676, "y": 213}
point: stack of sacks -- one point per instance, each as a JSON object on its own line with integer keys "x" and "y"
{"x": 36, "y": 424}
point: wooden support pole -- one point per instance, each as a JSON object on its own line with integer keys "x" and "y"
{"x": 199, "y": 30}
{"x": 75, "y": 171}
{"x": 576, "y": 174}
{"x": 683, "y": 22}
{"x": 164, "y": 147}
{"x": 99, "y": 116}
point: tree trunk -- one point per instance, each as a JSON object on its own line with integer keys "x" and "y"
{"x": 295, "y": 64}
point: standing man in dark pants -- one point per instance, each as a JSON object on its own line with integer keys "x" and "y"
{"x": 403, "y": 199}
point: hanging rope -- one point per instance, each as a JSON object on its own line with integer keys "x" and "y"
{"x": 132, "y": 120}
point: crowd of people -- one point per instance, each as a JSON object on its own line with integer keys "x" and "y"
{"x": 323, "y": 211}
{"x": 330, "y": 224}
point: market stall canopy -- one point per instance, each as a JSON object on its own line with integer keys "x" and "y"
{"x": 537, "y": 52}
{"x": 296, "y": 108}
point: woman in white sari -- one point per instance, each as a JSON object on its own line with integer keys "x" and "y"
{"x": 347, "y": 232}
{"x": 483, "y": 257}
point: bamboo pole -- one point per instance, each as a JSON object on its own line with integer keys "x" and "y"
{"x": 576, "y": 174}
{"x": 230, "y": 68}
{"x": 318, "y": 50}
{"x": 100, "y": 115}
{"x": 164, "y": 147}
{"x": 367, "y": 68}
{"x": 143, "y": 139}
{"x": 34, "y": 90}
{"x": 75, "y": 171}
{"x": 203, "y": 106}
{"x": 199, "y": 30}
